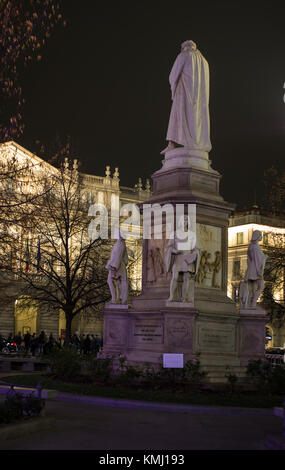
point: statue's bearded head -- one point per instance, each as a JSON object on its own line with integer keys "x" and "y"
{"x": 188, "y": 45}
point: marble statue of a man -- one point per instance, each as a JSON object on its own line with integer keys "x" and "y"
{"x": 117, "y": 266}
{"x": 253, "y": 284}
{"x": 189, "y": 123}
{"x": 182, "y": 263}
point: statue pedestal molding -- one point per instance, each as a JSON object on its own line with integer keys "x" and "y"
{"x": 110, "y": 306}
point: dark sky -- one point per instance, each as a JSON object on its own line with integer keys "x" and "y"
{"x": 104, "y": 81}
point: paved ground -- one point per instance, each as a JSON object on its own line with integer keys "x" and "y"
{"x": 88, "y": 426}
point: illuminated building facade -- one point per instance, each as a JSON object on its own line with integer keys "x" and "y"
{"x": 20, "y": 315}
{"x": 241, "y": 226}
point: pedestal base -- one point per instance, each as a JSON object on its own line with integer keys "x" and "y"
{"x": 223, "y": 342}
{"x": 143, "y": 337}
{"x": 182, "y": 157}
{"x": 252, "y": 334}
{"x": 179, "y": 305}
{"x": 111, "y": 306}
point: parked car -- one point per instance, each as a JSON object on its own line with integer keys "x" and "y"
{"x": 7, "y": 347}
{"x": 275, "y": 355}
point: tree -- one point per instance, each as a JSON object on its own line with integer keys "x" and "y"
{"x": 274, "y": 184}
{"x": 59, "y": 265}
{"x": 26, "y": 25}
{"x": 274, "y": 202}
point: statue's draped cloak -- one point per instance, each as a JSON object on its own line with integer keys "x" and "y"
{"x": 255, "y": 263}
{"x": 189, "y": 122}
{"x": 182, "y": 261}
{"x": 119, "y": 258}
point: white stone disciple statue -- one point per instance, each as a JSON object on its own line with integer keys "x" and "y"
{"x": 182, "y": 263}
{"x": 189, "y": 123}
{"x": 117, "y": 265}
{"x": 253, "y": 284}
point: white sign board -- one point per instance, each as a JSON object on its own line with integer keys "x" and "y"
{"x": 173, "y": 361}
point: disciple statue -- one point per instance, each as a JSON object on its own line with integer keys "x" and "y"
{"x": 182, "y": 263}
{"x": 253, "y": 284}
{"x": 117, "y": 266}
{"x": 155, "y": 264}
{"x": 189, "y": 123}
{"x": 150, "y": 267}
{"x": 158, "y": 262}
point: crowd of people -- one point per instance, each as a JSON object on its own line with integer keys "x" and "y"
{"x": 44, "y": 344}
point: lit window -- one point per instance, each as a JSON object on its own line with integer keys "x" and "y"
{"x": 239, "y": 238}
{"x": 265, "y": 238}
{"x": 236, "y": 269}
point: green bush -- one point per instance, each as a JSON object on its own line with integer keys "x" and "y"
{"x": 13, "y": 408}
{"x": 16, "y": 407}
{"x": 33, "y": 406}
{"x": 65, "y": 363}
{"x": 193, "y": 374}
{"x": 128, "y": 374}
{"x": 232, "y": 381}
{"x": 190, "y": 375}
{"x": 100, "y": 368}
{"x": 267, "y": 377}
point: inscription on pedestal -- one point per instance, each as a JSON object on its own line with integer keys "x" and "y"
{"x": 217, "y": 339}
{"x": 145, "y": 332}
{"x": 179, "y": 333}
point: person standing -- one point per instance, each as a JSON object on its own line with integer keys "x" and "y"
{"x": 42, "y": 340}
{"x": 27, "y": 341}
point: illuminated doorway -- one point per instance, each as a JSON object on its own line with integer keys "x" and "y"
{"x": 26, "y": 315}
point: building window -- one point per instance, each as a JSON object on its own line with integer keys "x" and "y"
{"x": 236, "y": 269}
{"x": 265, "y": 238}
{"x": 239, "y": 238}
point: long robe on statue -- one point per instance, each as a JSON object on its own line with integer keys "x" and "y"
{"x": 119, "y": 259}
{"x": 189, "y": 122}
{"x": 255, "y": 260}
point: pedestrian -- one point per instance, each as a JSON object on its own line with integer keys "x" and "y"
{"x": 27, "y": 341}
{"x": 34, "y": 343}
{"x": 76, "y": 342}
{"x": 18, "y": 341}
{"x": 87, "y": 345}
{"x": 82, "y": 339}
{"x": 95, "y": 346}
{"x": 42, "y": 341}
{"x": 51, "y": 343}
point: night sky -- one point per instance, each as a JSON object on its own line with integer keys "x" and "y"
{"x": 104, "y": 81}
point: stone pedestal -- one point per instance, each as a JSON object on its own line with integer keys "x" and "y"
{"x": 252, "y": 334}
{"x": 211, "y": 329}
{"x": 143, "y": 337}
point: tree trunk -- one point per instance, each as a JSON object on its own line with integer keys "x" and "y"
{"x": 68, "y": 317}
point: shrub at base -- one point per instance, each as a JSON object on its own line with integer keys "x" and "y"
{"x": 101, "y": 368}
{"x": 17, "y": 407}
{"x": 65, "y": 363}
{"x": 267, "y": 377}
